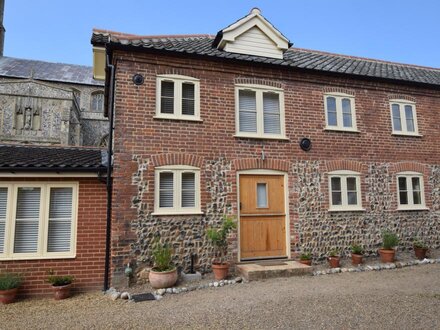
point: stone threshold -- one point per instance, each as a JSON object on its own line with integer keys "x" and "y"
{"x": 272, "y": 269}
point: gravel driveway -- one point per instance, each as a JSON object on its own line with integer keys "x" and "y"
{"x": 407, "y": 298}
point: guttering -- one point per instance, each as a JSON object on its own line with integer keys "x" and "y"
{"x": 52, "y": 169}
{"x": 110, "y": 72}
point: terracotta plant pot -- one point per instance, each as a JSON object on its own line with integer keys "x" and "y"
{"x": 8, "y": 296}
{"x": 334, "y": 262}
{"x": 356, "y": 259}
{"x": 220, "y": 271}
{"x": 387, "y": 255}
{"x": 420, "y": 252}
{"x": 162, "y": 280}
{"x": 62, "y": 291}
{"x": 306, "y": 262}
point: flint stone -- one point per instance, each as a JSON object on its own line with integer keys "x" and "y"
{"x": 125, "y": 295}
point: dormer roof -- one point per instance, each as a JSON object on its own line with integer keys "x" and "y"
{"x": 252, "y": 35}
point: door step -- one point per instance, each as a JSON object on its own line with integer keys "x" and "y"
{"x": 271, "y": 269}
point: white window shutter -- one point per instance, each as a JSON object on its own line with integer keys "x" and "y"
{"x": 166, "y": 184}
{"x": 271, "y": 112}
{"x": 60, "y": 219}
{"x": 167, "y": 97}
{"x": 188, "y": 190}
{"x": 3, "y": 205}
{"x": 247, "y": 111}
{"x": 27, "y": 220}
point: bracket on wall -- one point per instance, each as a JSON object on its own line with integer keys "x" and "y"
{"x": 138, "y": 79}
{"x": 305, "y": 144}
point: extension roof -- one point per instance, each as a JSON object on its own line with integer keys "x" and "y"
{"x": 55, "y": 159}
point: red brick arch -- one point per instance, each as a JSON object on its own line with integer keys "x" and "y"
{"x": 409, "y": 167}
{"x": 258, "y": 163}
{"x": 177, "y": 159}
{"x": 345, "y": 164}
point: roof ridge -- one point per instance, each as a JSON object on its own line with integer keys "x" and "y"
{"x": 369, "y": 59}
{"x": 159, "y": 36}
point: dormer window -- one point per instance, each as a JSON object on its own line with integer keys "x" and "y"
{"x": 252, "y": 35}
{"x": 177, "y": 97}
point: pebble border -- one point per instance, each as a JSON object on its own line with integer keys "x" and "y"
{"x": 158, "y": 294}
{"x": 376, "y": 267}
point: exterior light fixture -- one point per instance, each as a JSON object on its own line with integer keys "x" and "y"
{"x": 305, "y": 144}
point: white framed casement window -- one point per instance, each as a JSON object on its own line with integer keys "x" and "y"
{"x": 410, "y": 190}
{"x": 345, "y": 191}
{"x": 403, "y": 117}
{"x": 177, "y": 190}
{"x": 340, "y": 112}
{"x": 38, "y": 220}
{"x": 177, "y": 97}
{"x": 259, "y": 112}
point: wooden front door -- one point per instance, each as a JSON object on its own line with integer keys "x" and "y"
{"x": 262, "y": 216}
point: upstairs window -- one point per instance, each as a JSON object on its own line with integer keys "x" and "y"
{"x": 37, "y": 221}
{"x": 259, "y": 112}
{"x": 340, "y": 112}
{"x": 410, "y": 190}
{"x": 345, "y": 191}
{"x": 177, "y": 190}
{"x": 97, "y": 102}
{"x": 178, "y": 97}
{"x": 403, "y": 117}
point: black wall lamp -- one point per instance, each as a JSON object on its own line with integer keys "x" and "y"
{"x": 305, "y": 144}
{"x": 138, "y": 79}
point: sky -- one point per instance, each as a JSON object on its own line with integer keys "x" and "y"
{"x": 405, "y": 31}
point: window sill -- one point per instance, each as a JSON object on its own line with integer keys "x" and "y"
{"x": 357, "y": 209}
{"x": 20, "y": 258}
{"x": 281, "y": 138}
{"x": 344, "y": 130}
{"x": 407, "y": 134}
{"x": 177, "y": 213}
{"x": 179, "y": 118}
{"x": 413, "y": 208}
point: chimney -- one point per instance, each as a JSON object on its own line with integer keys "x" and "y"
{"x": 2, "y": 28}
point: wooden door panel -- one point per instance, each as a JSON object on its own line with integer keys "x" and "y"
{"x": 262, "y": 229}
{"x": 262, "y": 236}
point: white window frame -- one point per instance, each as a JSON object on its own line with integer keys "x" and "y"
{"x": 259, "y": 90}
{"x": 408, "y": 175}
{"x": 343, "y": 175}
{"x": 178, "y": 80}
{"x": 11, "y": 209}
{"x": 404, "y": 130}
{"x": 339, "y": 113}
{"x": 177, "y": 171}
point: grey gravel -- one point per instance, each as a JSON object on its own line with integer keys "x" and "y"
{"x": 405, "y": 298}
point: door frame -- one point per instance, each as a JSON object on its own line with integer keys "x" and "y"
{"x": 286, "y": 205}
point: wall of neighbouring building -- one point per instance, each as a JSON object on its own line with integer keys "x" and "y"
{"x": 88, "y": 265}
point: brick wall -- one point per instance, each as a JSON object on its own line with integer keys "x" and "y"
{"x": 139, "y": 138}
{"x": 88, "y": 265}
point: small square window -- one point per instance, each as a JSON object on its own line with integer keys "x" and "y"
{"x": 345, "y": 191}
{"x": 340, "y": 112}
{"x": 403, "y": 117}
{"x": 178, "y": 97}
{"x": 410, "y": 191}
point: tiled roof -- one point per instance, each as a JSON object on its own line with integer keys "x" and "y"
{"x": 34, "y": 158}
{"x": 39, "y": 70}
{"x": 293, "y": 57}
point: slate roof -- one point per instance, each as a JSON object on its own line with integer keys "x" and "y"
{"x": 37, "y": 158}
{"x": 293, "y": 57}
{"x": 48, "y": 71}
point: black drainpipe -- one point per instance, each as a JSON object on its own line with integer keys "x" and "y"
{"x": 110, "y": 70}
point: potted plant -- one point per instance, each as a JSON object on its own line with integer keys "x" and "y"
{"x": 356, "y": 254}
{"x": 9, "y": 284}
{"x": 420, "y": 248}
{"x": 306, "y": 258}
{"x": 334, "y": 258}
{"x": 61, "y": 285}
{"x": 164, "y": 273}
{"x": 219, "y": 239}
{"x": 389, "y": 242}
